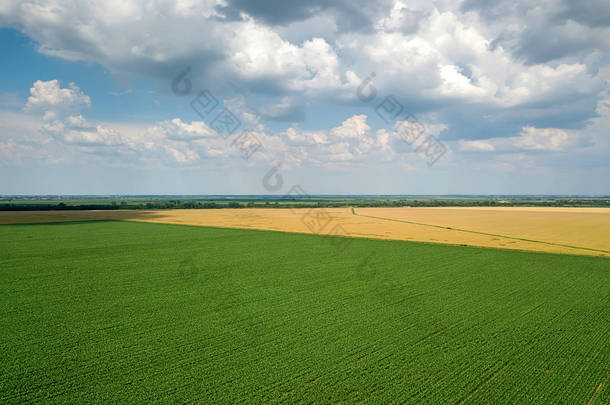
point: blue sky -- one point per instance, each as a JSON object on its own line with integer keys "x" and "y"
{"x": 387, "y": 97}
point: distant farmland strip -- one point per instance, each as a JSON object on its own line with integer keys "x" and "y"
{"x": 481, "y": 233}
{"x": 140, "y": 312}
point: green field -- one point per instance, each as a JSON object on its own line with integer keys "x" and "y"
{"x": 136, "y": 312}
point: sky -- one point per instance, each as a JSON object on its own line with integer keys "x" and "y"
{"x": 305, "y": 97}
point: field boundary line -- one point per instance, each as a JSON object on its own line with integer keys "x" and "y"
{"x": 480, "y": 233}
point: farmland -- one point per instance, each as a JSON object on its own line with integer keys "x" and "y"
{"x": 583, "y": 231}
{"x": 290, "y": 200}
{"x": 113, "y": 310}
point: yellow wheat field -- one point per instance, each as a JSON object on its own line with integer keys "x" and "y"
{"x": 583, "y": 231}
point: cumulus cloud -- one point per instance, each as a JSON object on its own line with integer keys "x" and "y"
{"x": 424, "y": 50}
{"x": 76, "y": 130}
{"x": 449, "y": 58}
{"x": 476, "y": 146}
{"x": 176, "y": 142}
{"x": 259, "y": 53}
{"x": 296, "y": 136}
{"x": 353, "y": 127}
{"x": 48, "y": 96}
{"x": 530, "y": 73}
{"x": 548, "y": 139}
{"x": 61, "y": 112}
{"x": 182, "y": 131}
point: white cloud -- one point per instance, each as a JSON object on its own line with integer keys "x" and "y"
{"x": 339, "y": 152}
{"x": 179, "y": 143}
{"x": 182, "y": 157}
{"x": 48, "y": 96}
{"x": 77, "y": 121}
{"x": 400, "y": 18}
{"x": 423, "y": 50}
{"x": 551, "y": 139}
{"x": 530, "y": 73}
{"x": 454, "y": 83}
{"x": 296, "y": 136}
{"x": 354, "y": 127}
{"x": 182, "y": 131}
{"x": 60, "y": 107}
{"x": 477, "y": 146}
{"x": 450, "y": 57}
{"x": 258, "y": 52}
{"x": 76, "y": 130}
{"x": 530, "y": 138}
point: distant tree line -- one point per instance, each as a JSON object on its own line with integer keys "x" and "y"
{"x": 193, "y": 204}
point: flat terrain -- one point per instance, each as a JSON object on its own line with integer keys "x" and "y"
{"x": 582, "y": 231}
{"x": 561, "y": 230}
{"x": 140, "y": 312}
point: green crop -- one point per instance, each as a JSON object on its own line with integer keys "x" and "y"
{"x": 136, "y": 312}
